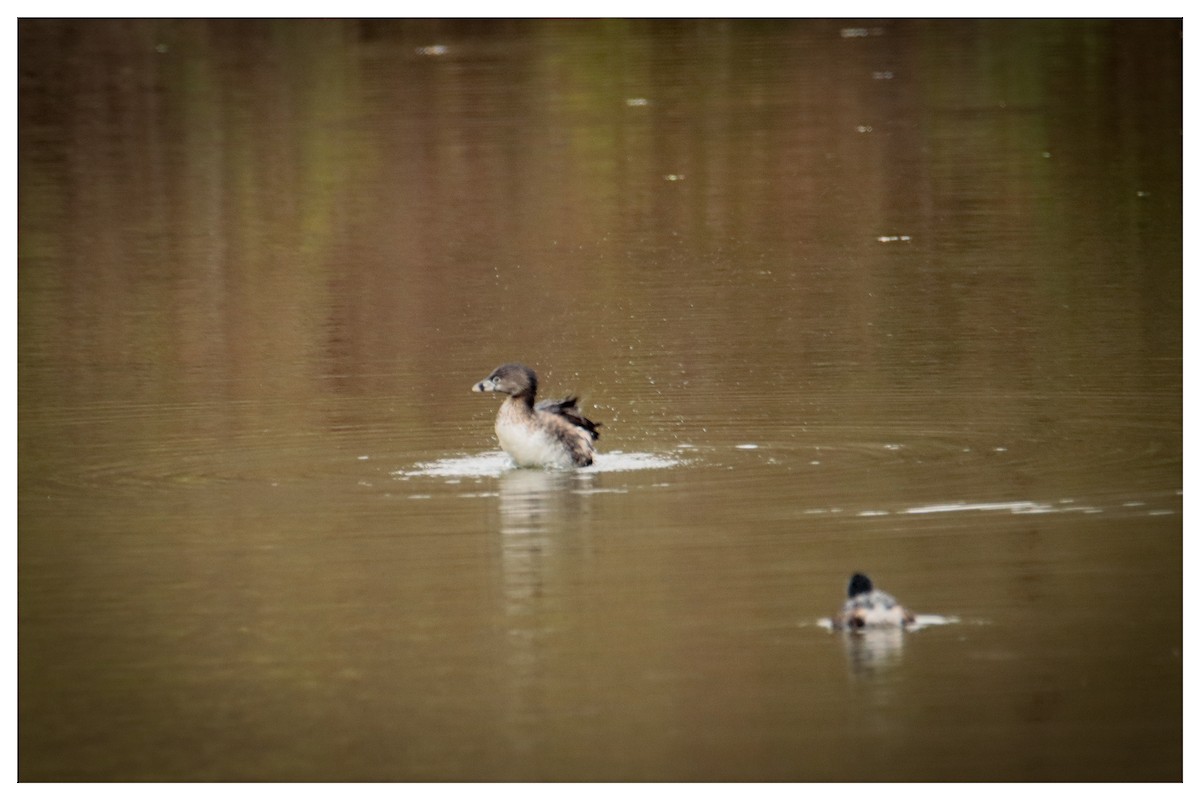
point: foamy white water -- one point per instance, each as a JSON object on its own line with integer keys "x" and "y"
{"x": 494, "y": 464}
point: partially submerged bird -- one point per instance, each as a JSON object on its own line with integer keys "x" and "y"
{"x": 867, "y": 607}
{"x": 551, "y": 433}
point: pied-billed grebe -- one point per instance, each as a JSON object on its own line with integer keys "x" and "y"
{"x": 867, "y": 607}
{"x": 551, "y": 433}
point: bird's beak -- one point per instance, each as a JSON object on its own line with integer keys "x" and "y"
{"x": 485, "y": 385}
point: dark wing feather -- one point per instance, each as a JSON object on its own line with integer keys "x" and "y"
{"x": 568, "y": 410}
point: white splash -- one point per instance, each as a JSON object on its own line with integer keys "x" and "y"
{"x": 484, "y": 465}
{"x": 495, "y": 464}
{"x": 618, "y": 461}
{"x": 920, "y": 621}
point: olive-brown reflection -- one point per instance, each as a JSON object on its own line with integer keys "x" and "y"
{"x": 901, "y": 266}
{"x": 423, "y": 198}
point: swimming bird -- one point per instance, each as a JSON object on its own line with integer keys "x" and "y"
{"x": 868, "y": 607}
{"x": 552, "y": 433}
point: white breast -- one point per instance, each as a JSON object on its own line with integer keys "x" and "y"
{"x": 528, "y": 445}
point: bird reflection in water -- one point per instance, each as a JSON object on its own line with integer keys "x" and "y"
{"x": 873, "y": 651}
{"x": 540, "y": 516}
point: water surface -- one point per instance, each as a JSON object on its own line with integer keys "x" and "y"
{"x": 901, "y": 297}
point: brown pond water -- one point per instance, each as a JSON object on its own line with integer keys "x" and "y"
{"x": 902, "y": 297}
